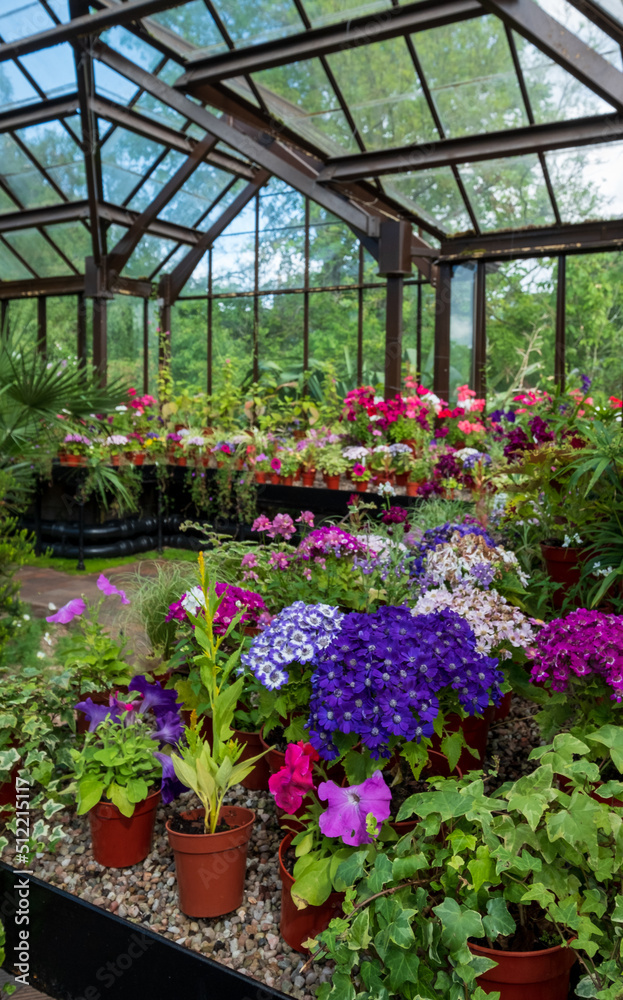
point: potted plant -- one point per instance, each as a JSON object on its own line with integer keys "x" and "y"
{"x": 402, "y": 457}
{"x": 332, "y": 464}
{"x": 262, "y": 467}
{"x": 210, "y": 843}
{"x": 360, "y": 476}
{"x": 380, "y": 463}
{"x": 420, "y": 471}
{"x": 116, "y": 446}
{"x": 488, "y": 892}
{"x": 290, "y": 462}
{"x": 76, "y": 448}
{"x": 118, "y": 773}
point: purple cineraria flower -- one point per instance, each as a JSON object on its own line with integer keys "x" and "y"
{"x": 581, "y": 644}
{"x": 73, "y": 609}
{"x": 170, "y": 729}
{"x": 161, "y": 701}
{"x": 296, "y": 635}
{"x": 170, "y": 786}
{"x": 586, "y": 381}
{"x": 109, "y": 588}
{"x": 348, "y": 808}
{"x": 483, "y": 573}
{"x": 97, "y": 713}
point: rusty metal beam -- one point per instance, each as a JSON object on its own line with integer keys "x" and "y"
{"x": 471, "y": 149}
{"x": 330, "y": 38}
{"x": 42, "y": 111}
{"x": 31, "y": 288}
{"x": 50, "y": 216}
{"x": 167, "y": 230}
{"x": 583, "y": 237}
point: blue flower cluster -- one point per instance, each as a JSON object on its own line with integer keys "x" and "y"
{"x": 439, "y": 536}
{"x": 381, "y": 676}
{"x": 298, "y": 634}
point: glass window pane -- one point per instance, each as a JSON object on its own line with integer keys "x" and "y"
{"x": 53, "y": 69}
{"x": 62, "y": 325}
{"x": 374, "y": 337}
{"x": 555, "y": 95}
{"x": 189, "y": 351}
{"x": 197, "y": 284}
{"x": 222, "y": 204}
{"x": 233, "y": 263}
{"x": 281, "y": 332}
{"x": 232, "y": 338}
{"x": 461, "y": 326}
{"x": 333, "y": 255}
{"x": 322, "y": 12}
{"x": 576, "y": 22}
{"x": 280, "y": 206}
{"x": 124, "y": 323}
{"x": 153, "y": 108}
{"x": 409, "y": 334}
{"x": 282, "y": 258}
{"x": 433, "y": 195}
{"x": 134, "y": 48}
{"x": 196, "y": 196}
{"x": 509, "y": 193}
{"x": 521, "y": 324}
{"x": 7, "y": 204}
{"x": 470, "y": 71}
{"x": 12, "y": 269}
{"x": 111, "y": 84}
{"x": 23, "y": 322}
{"x": 251, "y": 21}
{"x": 14, "y": 87}
{"x": 193, "y": 23}
{"x": 23, "y": 19}
{"x": 74, "y": 240}
{"x": 383, "y": 93}
{"x": 34, "y": 248}
{"x": 156, "y": 180}
{"x": 301, "y": 96}
{"x": 333, "y": 318}
{"x": 588, "y": 182}
{"x": 59, "y": 155}
{"x": 126, "y": 157}
{"x": 150, "y": 252}
{"x": 594, "y": 321}
{"x": 22, "y": 178}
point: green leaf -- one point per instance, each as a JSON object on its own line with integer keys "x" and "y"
{"x": 482, "y": 868}
{"x": 359, "y": 936}
{"x": 458, "y": 924}
{"x": 312, "y": 881}
{"x": 406, "y": 868}
{"x": 403, "y": 965}
{"x": 451, "y": 747}
{"x": 498, "y": 920}
{"x": 351, "y": 870}
{"x": 119, "y": 797}
{"x": 90, "y": 792}
{"x": 380, "y": 874}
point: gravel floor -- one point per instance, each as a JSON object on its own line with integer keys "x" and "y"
{"x": 248, "y": 940}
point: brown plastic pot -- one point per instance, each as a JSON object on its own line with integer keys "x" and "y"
{"x": 413, "y": 489}
{"x": 274, "y": 478}
{"x": 258, "y": 779}
{"x": 211, "y": 867}
{"x": 476, "y": 732}
{"x": 331, "y": 482}
{"x": 503, "y": 709}
{"x": 564, "y": 566}
{"x": 286, "y": 480}
{"x": 537, "y": 975}
{"x": 402, "y": 478}
{"x": 260, "y": 478}
{"x": 121, "y": 841}
{"x": 308, "y": 477}
{"x": 137, "y": 457}
{"x": 296, "y": 926}
{"x": 362, "y": 487}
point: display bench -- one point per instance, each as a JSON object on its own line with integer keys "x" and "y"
{"x": 77, "y": 951}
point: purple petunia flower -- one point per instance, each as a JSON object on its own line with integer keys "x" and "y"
{"x": 170, "y": 786}
{"x": 73, "y": 609}
{"x": 97, "y": 713}
{"x": 170, "y": 729}
{"x": 348, "y": 808}
{"x": 108, "y": 588}
{"x": 155, "y": 697}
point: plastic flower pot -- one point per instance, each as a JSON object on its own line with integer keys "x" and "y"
{"x": 285, "y": 480}
{"x": 331, "y": 482}
{"x": 211, "y": 867}
{"x": 503, "y": 709}
{"x": 564, "y": 566}
{"x": 297, "y": 926}
{"x": 476, "y": 732}
{"x": 62, "y": 457}
{"x": 275, "y": 478}
{"x": 539, "y": 975}
{"x": 258, "y": 779}
{"x": 260, "y": 477}
{"x": 308, "y": 477}
{"x": 75, "y": 459}
{"x": 362, "y": 487}
{"x": 115, "y": 460}
{"x": 182, "y": 460}
{"x": 402, "y": 478}
{"x": 137, "y": 457}
{"x": 413, "y": 489}
{"x": 121, "y": 841}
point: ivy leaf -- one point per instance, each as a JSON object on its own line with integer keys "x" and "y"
{"x": 380, "y": 874}
{"x": 351, "y": 870}
{"x": 531, "y": 794}
{"x": 482, "y": 868}
{"x": 403, "y": 965}
{"x": 498, "y": 920}
{"x": 451, "y": 747}
{"x": 458, "y": 924}
{"x": 405, "y": 868}
{"x": 359, "y": 936}
{"x": 341, "y": 987}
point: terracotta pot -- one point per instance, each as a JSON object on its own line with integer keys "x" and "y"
{"x": 308, "y": 477}
{"x": 205, "y": 461}
{"x": 258, "y": 779}
{"x": 476, "y": 732}
{"x": 274, "y": 478}
{"x": 182, "y": 460}
{"x": 383, "y": 477}
{"x": 75, "y": 460}
{"x": 62, "y": 457}
{"x": 539, "y": 975}
{"x": 136, "y": 457}
{"x": 286, "y": 480}
{"x": 362, "y": 487}
{"x": 402, "y": 478}
{"x": 296, "y": 926}
{"x": 331, "y": 482}
{"x": 503, "y": 709}
{"x": 413, "y": 489}
{"x": 115, "y": 460}
{"x": 121, "y": 841}
{"x": 564, "y": 566}
{"x": 260, "y": 477}
{"x": 211, "y": 867}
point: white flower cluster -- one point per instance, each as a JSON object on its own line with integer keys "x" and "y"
{"x": 470, "y": 557}
{"x": 495, "y": 622}
{"x": 570, "y": 541}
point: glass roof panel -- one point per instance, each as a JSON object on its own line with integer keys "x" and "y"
{"x": 470, "y": 72}
{"x": 21, "y": 19}
{"x": 508, "y": 193}
{"x": 613, "y": 7}
{"x": 240, "y": 86}
{"x": 153, "y": 108}
{"x": 193, "y": 23}
{"x": 156, "y": 181}
{"x": 555, "y": 95}
{"x": 252, "y": 21}
{"x": 383, "y": 93}
{"x": 565, "y": 13}
{"x": 14, "y": 87}
{"x": 59, "y": 155}
{"x": 196, "y": 196}
{"x": 302, "y": 97}
{"x": 34, "y": 248}
{"x": 222, "y": 204}
{"x": 60, "y": 8}
{"x": 28, "y": 185}
{"x": 280, "y": 206}
{"x": 136, "y": 49}
{"x": 322, "y": 12}
{"x": 6, "y": 203}
{"x": 433, "y": 195}
{"x": 74, "y": 240}
{"x": 148, "y": 254}
{"x": 53, "y": 69}
{"x": 11, "y": 268}
{"x": 113, "y": 85}
{"x": 125, "y": 159}
{"x": 588, "y": 182}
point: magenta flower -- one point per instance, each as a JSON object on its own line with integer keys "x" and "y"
{"x": 275, "y": 464}
{"x": 359, "y": 469}
{"x": 306, "y": 518}
{"x": 73, "y": 609}
{"x": 290, "y": 785}
{"x": 348, "y": 808}
{"x": 109, "y": 588}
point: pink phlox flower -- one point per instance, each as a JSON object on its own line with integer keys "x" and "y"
{"x": 73, "y": 609}
{"x": 348, "y": 808}
{"x": 282, "y": 525}
{"x": 306, "y": 518}
{"x": 262, "y": 523}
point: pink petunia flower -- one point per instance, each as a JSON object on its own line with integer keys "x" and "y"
{"x": 108, "y": 588}
{"x": 290, "y": 785}
{"x": 73, "y": 609}
{"x": 348, "y": 808}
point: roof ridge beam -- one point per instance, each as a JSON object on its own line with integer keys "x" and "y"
{"x": 546, "y": 241}
{"x": 42, "y": 111}
{"x": 328, "y": 38}
{"x": 552, "y": 38}
{"x": 475, "y": 148}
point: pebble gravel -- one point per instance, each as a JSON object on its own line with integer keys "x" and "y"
{"x": 247, "y": 940}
